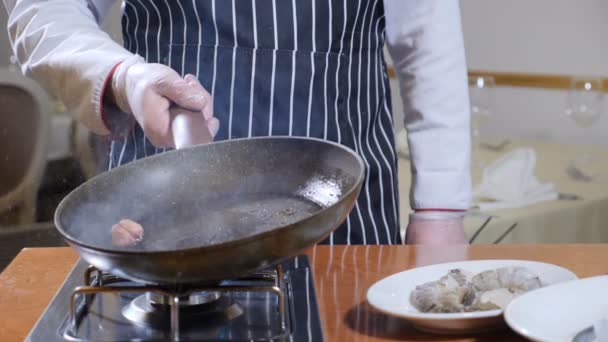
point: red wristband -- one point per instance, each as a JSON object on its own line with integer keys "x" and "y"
{"x": 117, "y": 122}
{"x": 103, "y": 94}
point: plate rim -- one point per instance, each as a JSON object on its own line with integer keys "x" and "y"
{"x": 417, "y": 316}
{"x": 532, "y": 336}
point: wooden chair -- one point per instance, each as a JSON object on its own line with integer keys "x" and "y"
{"x": 24, "y": 130}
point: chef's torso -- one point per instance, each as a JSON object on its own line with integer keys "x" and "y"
{"x": 301, "y": 67}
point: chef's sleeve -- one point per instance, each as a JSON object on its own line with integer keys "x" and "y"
{"x": 424, "y": 38}
{"x": 60, "y": 44}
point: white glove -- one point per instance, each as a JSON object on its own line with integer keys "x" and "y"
{"x": 151, "y": 93}
{"x": 436, "y": 228}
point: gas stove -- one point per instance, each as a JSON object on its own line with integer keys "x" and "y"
{"x": 277, "y": 304}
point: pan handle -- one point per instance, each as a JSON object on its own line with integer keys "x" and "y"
{"x": 190, "y": 128}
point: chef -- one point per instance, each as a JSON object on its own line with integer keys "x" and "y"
{"x": 311, "y": 68}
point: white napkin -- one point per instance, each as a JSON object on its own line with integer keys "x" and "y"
{"x": 511, "y": 182}
{"x": 600, "y": 329}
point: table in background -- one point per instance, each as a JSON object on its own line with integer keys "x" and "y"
{"x": 562, "y": 221}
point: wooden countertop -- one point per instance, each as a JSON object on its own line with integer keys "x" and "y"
{"x": 342, "y": 276}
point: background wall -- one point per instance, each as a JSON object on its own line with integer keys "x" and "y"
{"x": 541, "y": 36}
{"x": 546, "y": 36}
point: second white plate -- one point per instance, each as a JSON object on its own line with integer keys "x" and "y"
{"x": 557, "y": 313}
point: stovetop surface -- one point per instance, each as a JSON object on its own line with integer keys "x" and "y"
{"x": 237, "y": 316}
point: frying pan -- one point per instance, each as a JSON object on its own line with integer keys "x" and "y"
{"x": 215, "y": 211}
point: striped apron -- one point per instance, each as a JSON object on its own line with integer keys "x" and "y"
{"x": 277, "y": 67}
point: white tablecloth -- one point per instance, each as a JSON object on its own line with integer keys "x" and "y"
{"x": 560, "y": 221}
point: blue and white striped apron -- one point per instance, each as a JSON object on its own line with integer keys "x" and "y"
{"x": 278, "y": 67}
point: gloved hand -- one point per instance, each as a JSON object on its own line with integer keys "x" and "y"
{"x": 436, "y": 228}
{"x": 151, "y": 92}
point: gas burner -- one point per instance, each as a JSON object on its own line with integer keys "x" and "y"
{"x": 272, "y": 305}
{"x": 159, "y": 308}
{"x": 154, "y": 310}
{"x": 193, "y": 299}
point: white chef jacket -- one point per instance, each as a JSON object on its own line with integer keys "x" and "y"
{"x": 60, "y": 44}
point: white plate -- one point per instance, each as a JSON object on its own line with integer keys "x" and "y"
{"x": 391, "y": 295}
{"x": 559, "y": 312}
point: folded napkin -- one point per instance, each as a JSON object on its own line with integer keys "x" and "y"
{"x": 511, "y": 182}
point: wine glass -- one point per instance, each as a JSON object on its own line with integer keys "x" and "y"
{"x": 480, "y": 96}
{"x": 584, "y": 106}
